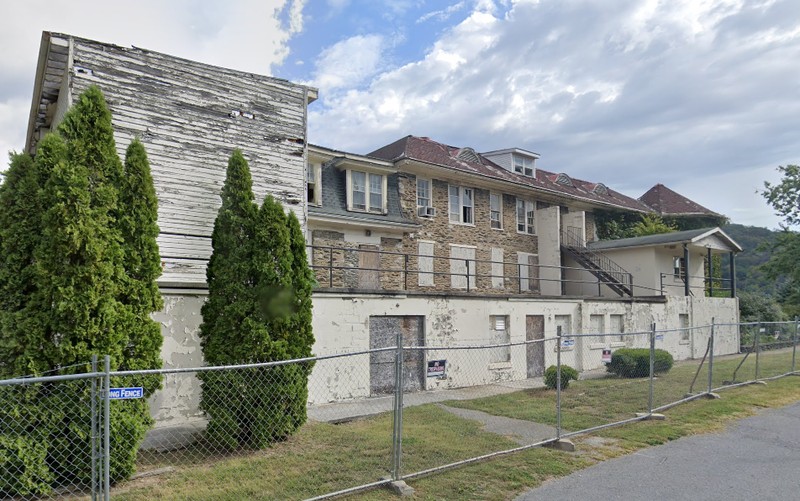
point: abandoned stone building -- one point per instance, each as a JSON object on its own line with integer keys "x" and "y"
{"x": 448, "y": 245}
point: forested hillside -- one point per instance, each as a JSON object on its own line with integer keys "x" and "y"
{"x": 748, "y": 277}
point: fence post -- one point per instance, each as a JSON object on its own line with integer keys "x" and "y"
{"x": 107, "y": 430}
{"x": 758, "y": 348}
{"x": 794, "y": 345}
{"x": 397, "y": 432}
{"x": 652, "y": 367}
{"x": 711, "y": 357}
{"x": 93, "y": 406}
{"x": 558, "y": 382}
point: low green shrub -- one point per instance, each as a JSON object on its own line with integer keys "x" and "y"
{"x": 635, "y": 362}
{"x": 567, "y": 374}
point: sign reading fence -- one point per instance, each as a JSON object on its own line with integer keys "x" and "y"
{"x": 125, "y": 393}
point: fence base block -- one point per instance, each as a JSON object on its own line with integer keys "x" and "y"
{"x": 651, "y": 416}
{"x": 401, "y": 488}
{"x": 712, "y": 396}
{"x": 561, "y": 444}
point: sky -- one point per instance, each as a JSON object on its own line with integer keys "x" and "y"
{"x": 700, "y": 95}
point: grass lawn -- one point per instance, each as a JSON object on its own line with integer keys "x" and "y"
{"x": 325, "y": 457}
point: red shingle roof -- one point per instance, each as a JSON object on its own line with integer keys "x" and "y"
{"x": 426, "y": 150}
{"x": 669, "y": 203}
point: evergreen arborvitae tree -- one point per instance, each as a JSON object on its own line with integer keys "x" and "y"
{"x": 302, "y": 285}
{"x": 87, "y": 294}
{"x": 19, "y": 229}
{"x": 25, "y": 423}
{"x": 229, "y": 314}
{"x": 253, "y": 314}
{"x": 138, "y": 223}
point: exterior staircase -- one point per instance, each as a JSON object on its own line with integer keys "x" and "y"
{"x": 598, "y": 264}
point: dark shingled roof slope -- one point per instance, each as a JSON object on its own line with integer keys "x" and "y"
{"x": 426, "y": 150}
{"x": 670, "y": 203}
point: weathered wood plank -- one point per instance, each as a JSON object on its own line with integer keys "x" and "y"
{"x": 181, "y": 112}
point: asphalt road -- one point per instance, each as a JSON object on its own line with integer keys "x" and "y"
{"x": 756, "y": 459}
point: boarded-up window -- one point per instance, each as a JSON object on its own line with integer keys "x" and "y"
{"x": 462, "y": 263}
{"x": 528, "y": 265}
{"x": 683, "y": 320}
{"x": 369, "y": 264}
{"x": 597, "y": 326}
{"x": 425, "y": 263}
{"x": 497, "y": 268}
{"x": 565, "y": 322}
{"x": 533, "y": 272}
{"x": 498, "y": 334}
{"x": 616, "y": 325}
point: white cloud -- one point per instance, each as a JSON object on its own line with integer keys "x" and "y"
{"x": 634, "y": 94}
{"x": 247, "y": 35}
{"x": 349, "y": 62}
{"x": 10, "y": 112}
{"x": 443, "y": 14}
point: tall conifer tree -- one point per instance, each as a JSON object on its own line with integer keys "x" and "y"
{"x": 229, "y": 314}
{"x": 87, "y": 294}
{"x": 138, "y": 216}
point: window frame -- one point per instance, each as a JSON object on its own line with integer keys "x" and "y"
{"x": 429, "y": 198}
{"x": 460, "y": 194}
{"x": 526, "y": 165}
{"x": 501, "y": 355}
{"x": 678, "y": 268}
{"x": 499, "y": 211}
{"x": 314, "y": 179}
{"x": 371, "y": 193}
{"x": 529, "y": 208}
{"x": 351, "y": 206}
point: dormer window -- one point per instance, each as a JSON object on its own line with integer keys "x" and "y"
{"x": 366, "y": 192}
{"x": 600, "y": 189}
{"x": 523, "y": 165}
{"x": 564, "y": 180}
{"x": 468, "y": 155}
{"x": 314, "y": 183}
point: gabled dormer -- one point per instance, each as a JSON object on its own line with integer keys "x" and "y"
{"x": 515, "y": 160}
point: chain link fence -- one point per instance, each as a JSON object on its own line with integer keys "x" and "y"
{"x": 331, "y": 425}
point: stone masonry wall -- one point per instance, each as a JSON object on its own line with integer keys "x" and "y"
{"x": 480, "y": 235}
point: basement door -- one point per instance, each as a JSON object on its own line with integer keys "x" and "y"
{"x": 534, "y": 330}
{"x": 382, "y": 334}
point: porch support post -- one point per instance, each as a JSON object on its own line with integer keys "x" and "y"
{"x": 686, "y": 289}
{"x": 732, "y": 257}
{"x": 710, "y": 277}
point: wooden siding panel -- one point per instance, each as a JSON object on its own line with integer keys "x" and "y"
{"x": 181, "y": 110}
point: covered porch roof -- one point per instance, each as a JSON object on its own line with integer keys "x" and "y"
{"x": 706, "y": 238}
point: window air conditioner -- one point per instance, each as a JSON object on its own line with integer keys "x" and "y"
{"x": 426, "y": 211}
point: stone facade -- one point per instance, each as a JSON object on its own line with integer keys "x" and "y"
{"x": 590, "y": 227}
{"x": 393, "y": 264}
{"x": 479, "y": 235}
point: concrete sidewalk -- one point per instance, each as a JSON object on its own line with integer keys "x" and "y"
{"x": 758, "y": 458}
{"x": 346, "y": 411}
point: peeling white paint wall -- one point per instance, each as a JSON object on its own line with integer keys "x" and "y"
{"x": 341, "y": 324}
